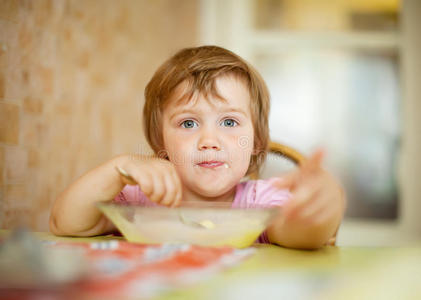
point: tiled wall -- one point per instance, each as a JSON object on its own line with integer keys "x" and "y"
{"x": 72, "y": 75}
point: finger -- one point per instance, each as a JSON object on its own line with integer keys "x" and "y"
{"x": 314, "y": 162}
{"x": 329, "y": 214}
{"x": 170, "y": 191}
{"x": 145, "y": 183}
{"x": 158, "y": 189}
{"x": 178, "y": 192}
{"x": 305, "y": 190}
{"x": 291, "y": 180}
{"x": 302, "y": 197}
{"x": 324, "y": 208}
{"x": 320, "y": 215}
{"x": 178, "y": 198}
{"x": 286, "y": 181}
{"x": 318, "y": 206}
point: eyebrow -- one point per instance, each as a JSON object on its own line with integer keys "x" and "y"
{"x": 192, "y": 111}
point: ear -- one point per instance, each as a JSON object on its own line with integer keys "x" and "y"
{"x": 258, "y": 149}
{"x": 162, "y": 154}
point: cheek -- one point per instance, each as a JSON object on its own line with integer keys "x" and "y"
{"x": 243, "y": 140}
{"x": 174, "y": 147}
{"x": 177, "y": 148}
{"x": 244, "y": 143}
{"x": 241, "y": 149}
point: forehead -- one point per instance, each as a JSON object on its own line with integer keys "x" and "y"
{"x": 231, "y": 91}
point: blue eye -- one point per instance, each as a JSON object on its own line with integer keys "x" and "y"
{"x": 189, "y": 124}
{"x": 229, "y": 123}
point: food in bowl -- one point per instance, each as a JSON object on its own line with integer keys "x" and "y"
{"x": 224, "y": 226}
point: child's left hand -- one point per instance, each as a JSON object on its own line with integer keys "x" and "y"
{"x": 317, "y": 201}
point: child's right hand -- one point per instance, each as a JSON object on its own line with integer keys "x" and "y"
{"x": 156, "y": 177}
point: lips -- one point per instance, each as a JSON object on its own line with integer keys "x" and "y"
{"x": 211, "y": 164}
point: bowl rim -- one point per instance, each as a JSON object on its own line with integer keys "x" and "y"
{"x": 188, "y": 205}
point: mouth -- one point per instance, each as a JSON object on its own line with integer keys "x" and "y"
{"x": 212, "y": 164}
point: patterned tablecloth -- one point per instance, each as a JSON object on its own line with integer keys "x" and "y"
{"x": 120, "y": 268}
{"x": 114, "y": 269}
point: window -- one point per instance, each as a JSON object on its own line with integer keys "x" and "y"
{"x": 332, "y": 68}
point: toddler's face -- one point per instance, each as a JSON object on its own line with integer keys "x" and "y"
{"x": 210, "y": 142}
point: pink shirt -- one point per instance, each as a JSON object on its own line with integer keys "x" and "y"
{"x": 249, "y": 194}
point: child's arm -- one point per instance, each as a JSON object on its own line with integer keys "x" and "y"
{"x": 74, "y": 211}
{"x": 315, "y": 211}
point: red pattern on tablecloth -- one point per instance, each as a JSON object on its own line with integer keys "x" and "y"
{"x": 119, "y": 268}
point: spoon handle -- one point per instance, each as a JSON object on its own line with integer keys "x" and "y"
{"x": 126, "y": 175}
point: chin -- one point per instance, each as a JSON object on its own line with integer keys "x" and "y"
{"x": 215, "y": 190}
{"x": 210, "y": 194}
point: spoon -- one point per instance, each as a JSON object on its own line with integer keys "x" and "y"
{"x": 206, "y": 224}
{"x": 125, "y": 175}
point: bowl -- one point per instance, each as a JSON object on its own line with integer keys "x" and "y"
{"x": 235, "y": 227}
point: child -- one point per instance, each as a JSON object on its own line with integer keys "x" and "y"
{"x": 206, "y": 118}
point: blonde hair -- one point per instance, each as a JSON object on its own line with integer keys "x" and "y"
{"x": 200, "y": 67}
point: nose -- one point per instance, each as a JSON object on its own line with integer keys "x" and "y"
{"x": 208, "y": 140}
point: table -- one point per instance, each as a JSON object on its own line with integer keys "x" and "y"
{"x": 329, "y": 273}
{"x": 274, "y": 272}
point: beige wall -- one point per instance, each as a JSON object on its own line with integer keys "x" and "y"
{"x": 72, "y": 75}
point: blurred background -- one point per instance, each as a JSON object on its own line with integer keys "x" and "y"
{"x": 343, "y": 76}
